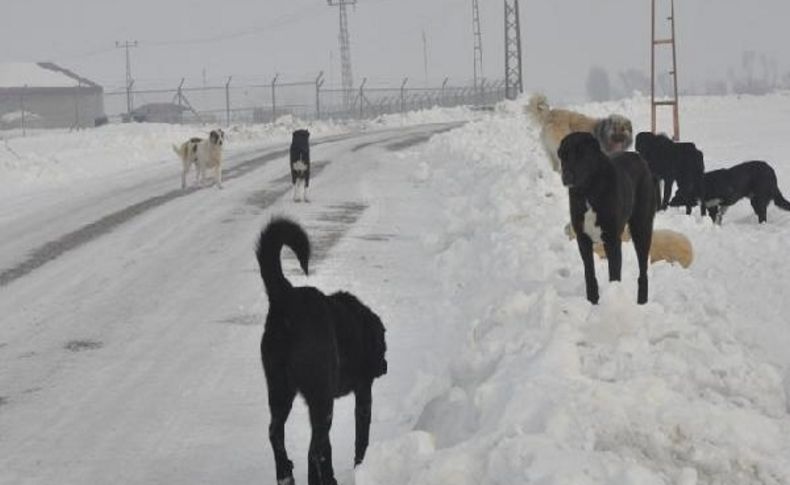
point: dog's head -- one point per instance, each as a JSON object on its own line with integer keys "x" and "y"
{"x": 615, "y": 133}
{"x": 378, "y": 346}
{"x": 301, "y": 134}
{"x": 644, "y": 143}
{"x": 580, "y": 153}
{"x": 217, "y": 137}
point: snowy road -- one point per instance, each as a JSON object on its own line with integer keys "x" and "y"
{"x": 131, "y": 313}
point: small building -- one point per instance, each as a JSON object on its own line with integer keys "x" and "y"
{"x": 45, "y": 95}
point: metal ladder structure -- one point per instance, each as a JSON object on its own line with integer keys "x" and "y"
{"x": 478, "y": 47}
{"x": 514, "y": 84}
{"x": 345, "y": 51}
{"x": 670, "y": 41}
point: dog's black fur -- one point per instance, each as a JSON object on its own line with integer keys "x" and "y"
{"x": 689, "y": 172}
{"x": 673, "y": 162}
{"x": 300, "y": 151}
{"x": 620, "y": 191}
{"x": 755, "y": 180}
{"x": 320, "y": 346}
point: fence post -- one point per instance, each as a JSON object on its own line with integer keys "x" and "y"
{"x": 22, "y": 103}
{"x": 362, "y": 98}
{"x": 77, "y": 105}
{"x": 227, "y": 101}
{"x": 444, "y": 85}
{"x": 274, "y": 97}
{"x": 402, "y": 93}
{"x": 319, "y": 81}
{"x": 180, "y": 96}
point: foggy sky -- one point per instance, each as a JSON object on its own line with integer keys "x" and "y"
{"x": 254, "y": 39}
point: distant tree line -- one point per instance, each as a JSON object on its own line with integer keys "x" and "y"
{"x": 757, "y": 74}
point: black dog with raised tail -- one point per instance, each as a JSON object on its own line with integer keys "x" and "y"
{"x": 320, "y": 346}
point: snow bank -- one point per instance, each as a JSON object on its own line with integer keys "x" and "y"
{"x": 688, "y": 389}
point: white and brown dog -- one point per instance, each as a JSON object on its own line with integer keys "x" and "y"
{"x": 614, "y": 133}
{"x": 204, "y": 154}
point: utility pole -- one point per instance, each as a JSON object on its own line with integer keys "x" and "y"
{"x": 478, "y": 42}
{"x": 674, "y": 72}
{"x": 129, "y": 81}
{"x": 425, "y": 56}
{"x": 345, "y": 51}
{"x": 514, "y": 84}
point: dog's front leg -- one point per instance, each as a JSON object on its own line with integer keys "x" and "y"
{"x": 612, "y": 246}
{"x": 184, "y": 172}
{"x": 218, "y": 175}
{"x": 362, "y": 411}
{"x": 585, "y": 250}
{"x": 667, "y": 192}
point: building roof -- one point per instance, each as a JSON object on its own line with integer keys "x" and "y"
{"x": 39, "y": 75}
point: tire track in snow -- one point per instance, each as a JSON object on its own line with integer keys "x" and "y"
{"x": 53, "y": 249}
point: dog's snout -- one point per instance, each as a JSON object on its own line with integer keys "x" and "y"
{"x": 618, "y": 137}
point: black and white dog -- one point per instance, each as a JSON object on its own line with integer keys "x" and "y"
{"x": 755, "y": 180}
{"x": 203, "y": 154}
{"x": 320, "y": 346}
{"x": 605, "y": 195}
{"x": 300, "y": 163}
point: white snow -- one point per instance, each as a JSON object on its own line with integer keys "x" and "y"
{"x": 500, "y": 371}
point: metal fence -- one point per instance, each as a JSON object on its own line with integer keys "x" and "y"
{"x": 308, "y": 100}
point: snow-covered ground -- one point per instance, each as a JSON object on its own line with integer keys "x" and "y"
{"x": 132, "y": 357}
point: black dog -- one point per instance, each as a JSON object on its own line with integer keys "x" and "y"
{"x": 320, "y": 346}
{"x": 689, "y": 172}
{"x": 605, "y": 194}
{"x": 755, "y": 180}
{"x": 672, "y": 162}
{"x": 300, "y": 163}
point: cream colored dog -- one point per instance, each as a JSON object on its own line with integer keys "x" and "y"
{"x": 614, "y": 133}
{"x": 204, "y": 154}
{"x": 666, "y": 245}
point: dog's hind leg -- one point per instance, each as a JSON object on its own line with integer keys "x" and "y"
{"x": 612, "y": 246}
{"x": 362, "y": 412}
{"x": 760, "y": 207}
{"x": 320, "y": 471}
{"x": 280, "y": 408}
{"x": 281, "y": 397}
{"x": 585, "y": 250}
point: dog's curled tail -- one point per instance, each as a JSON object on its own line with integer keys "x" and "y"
{"x": 278, "y": 233}
{"x": 538, "y": 107}
{"x": 780, "y": 201}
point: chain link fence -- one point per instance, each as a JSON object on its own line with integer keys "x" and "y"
{"x": 309, "y": 100}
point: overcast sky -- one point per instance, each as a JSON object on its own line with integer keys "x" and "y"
{"x": 254, "y": 39}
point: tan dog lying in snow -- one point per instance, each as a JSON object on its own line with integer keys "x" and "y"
{"x": 666, "y": 245}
